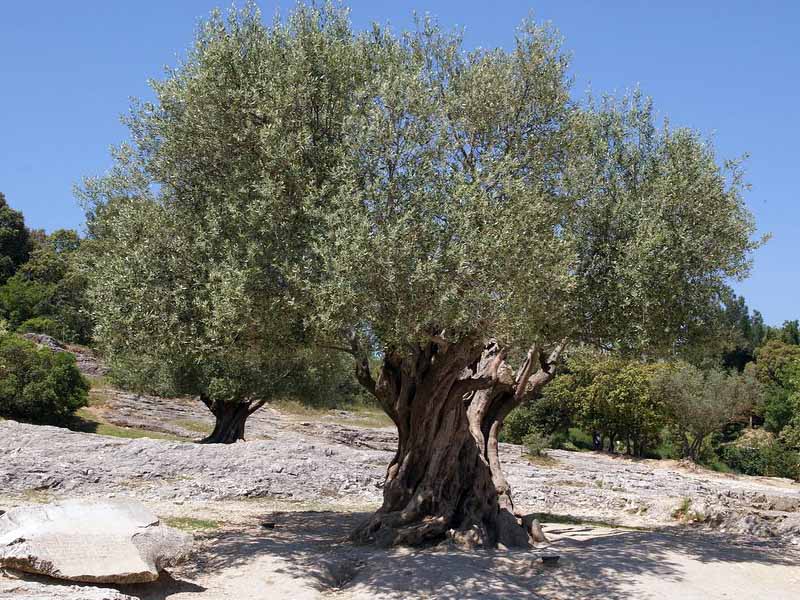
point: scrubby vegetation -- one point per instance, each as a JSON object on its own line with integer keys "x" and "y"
{"x": 43, "y": 287}
{"x": 729, "y": 420}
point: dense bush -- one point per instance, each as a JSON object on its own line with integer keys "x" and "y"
{"x": 38, "y": 385}
{"x": 519, "y": 423}
{"x": 535, "y": 443}
{"x": 43, "y": 325}
{"x": 551, "y": 415}
{"x": 773, "y": 459}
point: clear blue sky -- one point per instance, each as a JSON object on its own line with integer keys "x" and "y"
{"x": 728, "y": 68}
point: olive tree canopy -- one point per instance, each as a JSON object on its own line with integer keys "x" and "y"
{"x": 194, "y": 227}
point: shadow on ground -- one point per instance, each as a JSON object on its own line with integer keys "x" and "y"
{"x": 594, "y": 563}
{"x": 161, "y": 589}
{"x": 308, "y": 555}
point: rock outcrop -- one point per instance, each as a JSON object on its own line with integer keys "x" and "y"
{"x": 114, "y": 541}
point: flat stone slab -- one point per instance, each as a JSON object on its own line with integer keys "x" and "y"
{"x": 114, "y": 541}
{"x": 12, "y": 589}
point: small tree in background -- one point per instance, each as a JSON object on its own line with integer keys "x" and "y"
{"x": 47, "y": 294}
{"x": 615, "y": 401}
{"x": 204, "y": 216}
{"x": 700, "y": 404}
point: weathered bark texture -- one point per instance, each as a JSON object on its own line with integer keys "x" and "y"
{"x": 445, "y": 481}
{"x": 230, "y": 420}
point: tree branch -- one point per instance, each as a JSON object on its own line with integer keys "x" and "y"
{"x": 525, "y": 372}
{"x": 363, "y": 372}
{"x": 472, "y": 384}
{"x": 337, "y": 348}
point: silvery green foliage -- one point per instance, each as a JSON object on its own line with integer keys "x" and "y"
{"x": 448, "y": 216}
{"x": 300, "y": 176}
{"x": 660, "y": 229}
{"x": 476, "y": 200}
{"x": 205, "y": 208}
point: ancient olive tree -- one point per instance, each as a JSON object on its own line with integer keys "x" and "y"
{"x": 480, "y": 225}
{"x": 194, "y": 229}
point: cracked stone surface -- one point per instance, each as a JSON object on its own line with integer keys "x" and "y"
{"x": 110, "y": 541}
{"x": 345, "y": 465}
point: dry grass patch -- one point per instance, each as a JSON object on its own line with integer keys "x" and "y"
{"x": 356, "y": 415}
{"x": 191, "y": 524}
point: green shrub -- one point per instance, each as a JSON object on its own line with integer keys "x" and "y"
{"x": 560, "y": 440}
{"x": 773, "y": 460}
{"x": 535, "y": 443}
{"x": 38, "y": 385}
{"x": 551, "y": 415}
{"x": 42, "y": 325}
{"x": 520, "y": 422}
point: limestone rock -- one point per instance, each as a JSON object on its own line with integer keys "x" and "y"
{"x": 14, "y": 588}
{"x": 113, "y": 541}
{"x": 45, "y": 340}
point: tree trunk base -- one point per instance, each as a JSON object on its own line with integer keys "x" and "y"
{"x": 446, "y": 481}
{"x": 392, "y": 529}
{"x": 230, "y": 420}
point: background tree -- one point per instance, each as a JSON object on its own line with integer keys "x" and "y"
{"x": 202, "y": 218}
{"x": 614, "y": 399}
{"x": 48, "y": 292}
{"x": 700, "y": 404}
{"x": 777, "y": 367}
{"x": 552, "y": 415}
{"x": 14, "y": 240}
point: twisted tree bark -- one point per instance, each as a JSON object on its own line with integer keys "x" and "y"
{"x": 449, "y": 402}
{"x": 230, "y": 419}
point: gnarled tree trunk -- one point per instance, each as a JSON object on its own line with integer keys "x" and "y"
{"x": 448, "y": 403}
{"x": 230, "y": 419}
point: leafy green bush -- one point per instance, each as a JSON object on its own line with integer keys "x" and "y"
{"x": 773, "y": 460}
{"x": 42, "y": 325}
{"x": 535, "y": 443}
{"x": 38, "y": 385}
{"x": 520, "y": 422}
{"x": 551, "y": 415}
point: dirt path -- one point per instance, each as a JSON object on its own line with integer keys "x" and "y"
{"x": 307, "y": 556}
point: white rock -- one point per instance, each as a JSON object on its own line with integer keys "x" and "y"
{"x": 117, "y": 541}
{"x": 13, "y": 588}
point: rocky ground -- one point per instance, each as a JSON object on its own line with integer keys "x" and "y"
{"x": 624, "y": 528}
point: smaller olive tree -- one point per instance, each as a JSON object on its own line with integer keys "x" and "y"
{"x": 195, "y": 229}
{"x": 699, "y": 404}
